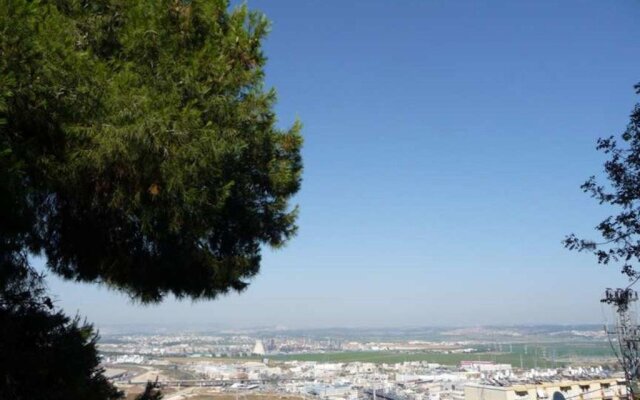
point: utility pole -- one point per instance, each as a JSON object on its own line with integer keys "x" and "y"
{"x": 627, "y": 334}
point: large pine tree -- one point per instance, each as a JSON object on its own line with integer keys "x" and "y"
{"x": 139, "y": 147}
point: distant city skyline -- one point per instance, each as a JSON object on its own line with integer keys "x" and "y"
{"x": 445, "y": 146}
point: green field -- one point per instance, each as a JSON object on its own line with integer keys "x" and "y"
{"x": 528, "y": 361}
{"x": 548, "y": 355}
{"x": 573, "y": 350}
{"x": 541, "y": 355}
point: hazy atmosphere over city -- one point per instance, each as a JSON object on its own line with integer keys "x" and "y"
{"x": 445, "y": 143}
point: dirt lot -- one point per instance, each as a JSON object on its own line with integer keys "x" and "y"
{"x": 209, "y": 394}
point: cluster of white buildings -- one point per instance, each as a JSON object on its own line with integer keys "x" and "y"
{"x": 449, "y": 347}
{"x": 179, "y": 345}
{"x": 473, "y": 380}
{"x": 409, "y": 380}
{"x": 124, "y": 359}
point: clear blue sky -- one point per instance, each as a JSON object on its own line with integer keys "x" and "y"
{"x": 445, "y": 143}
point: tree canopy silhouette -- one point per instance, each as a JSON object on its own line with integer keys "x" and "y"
{"x": 620, "y": 232}
{"x": 151, "y": 392}
{"x": 43, "y": 353}
{"x": 140, "y": 143}
{"x": 138, "y": 149}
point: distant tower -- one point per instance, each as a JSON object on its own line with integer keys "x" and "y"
{"x": 258, "y": 349}
{"x": 627, "y": 334}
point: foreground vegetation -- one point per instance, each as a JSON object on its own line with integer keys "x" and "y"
{"x": 139, "y": 150}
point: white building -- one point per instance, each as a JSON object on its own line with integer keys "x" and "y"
{"x": 258, "y": 349}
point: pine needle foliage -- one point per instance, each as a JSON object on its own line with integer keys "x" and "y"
{"x": 139, "y": 146}
{"x": 151, "y": 392}
{"x": 44, "y": 354}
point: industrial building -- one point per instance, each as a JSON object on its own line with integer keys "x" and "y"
{"x": 258, "y": 349}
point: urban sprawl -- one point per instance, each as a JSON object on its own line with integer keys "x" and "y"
{"x": 527, "y": 366}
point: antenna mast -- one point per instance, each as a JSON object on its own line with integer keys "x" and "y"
{"x": 627, "y": 334}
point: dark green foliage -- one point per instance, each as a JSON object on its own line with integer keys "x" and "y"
{"x": 151, "y": 392}
{"x": 621, "y": 232}
{"x": 43, "y": 353}
{"x": 138, "y": 146}
{"x": 138, "y": 149}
